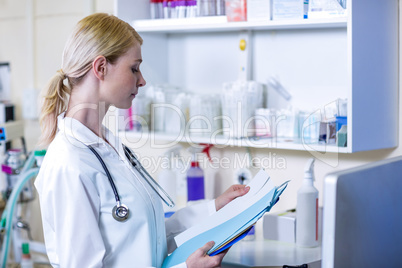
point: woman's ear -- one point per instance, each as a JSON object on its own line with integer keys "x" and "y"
{"x": 99, "y": 67}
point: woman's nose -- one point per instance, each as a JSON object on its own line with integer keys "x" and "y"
{"x": 141, "y": 82}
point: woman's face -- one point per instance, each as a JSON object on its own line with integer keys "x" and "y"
{"x": 123, "y": 78}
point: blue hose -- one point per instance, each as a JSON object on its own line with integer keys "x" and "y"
{"x": 27, "y": 173}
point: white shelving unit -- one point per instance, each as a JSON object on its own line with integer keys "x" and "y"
{"x": 318, "y": 60}
{"x": 163, "y": 140}
{"x": 220, "y": 24}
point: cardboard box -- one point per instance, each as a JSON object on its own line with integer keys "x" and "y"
{"x": 287, "y": 9}
{"x": 259, "y": 10}
{"x": 280, "y": 226}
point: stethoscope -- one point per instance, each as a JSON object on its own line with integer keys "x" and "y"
{"x": 120, "y": 212}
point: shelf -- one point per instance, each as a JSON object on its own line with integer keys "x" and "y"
{"x": 161, "y": 140}
{"x": 220, "y": 23}
{"x": 318, "y": 59}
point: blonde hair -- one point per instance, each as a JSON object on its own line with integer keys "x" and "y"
{"x": 95, "y": 35}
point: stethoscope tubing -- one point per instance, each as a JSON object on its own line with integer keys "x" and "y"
{"x": 116, "y": 194}
{"x": 120, "y": 211}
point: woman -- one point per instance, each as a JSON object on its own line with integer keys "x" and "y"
{"x": 100, "y": 68}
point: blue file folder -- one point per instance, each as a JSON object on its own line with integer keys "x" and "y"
{"x": 228, "y": 232}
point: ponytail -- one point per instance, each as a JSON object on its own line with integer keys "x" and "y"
{"x": 55, "y": 101}
{"x": 94, "y": 35}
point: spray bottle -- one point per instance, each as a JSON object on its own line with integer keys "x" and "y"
{"x": 167, "y": 178}
{"x": 307, "y": 209}
{"x": 195, "y": 178}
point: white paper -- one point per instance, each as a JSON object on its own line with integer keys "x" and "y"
{"x": 260, "y": 185}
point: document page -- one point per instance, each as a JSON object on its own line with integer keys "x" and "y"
{"x": 260, "y": 185}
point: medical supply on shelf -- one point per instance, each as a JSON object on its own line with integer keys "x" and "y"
{"x": 259, "y": 10}
{"x": 207, "y": 7}
{"x": 327, "y": 132}
{"x": 169, "y": 109}
{"x": 236, "y": 10}
{"x": 166, "y": 4}
{"x": 139, "y": 117}
{"x": 156, "y": 9}
{"x": 307, "y": 209}
{"x": 277, "y": 95}
{"x": 278, "y": 87}
{"x": 309, "y": 126}
{"x": 342, "y": 136}
{"x": 124, "y": 117}
{"x": 265, "y": 122}
{"x": 175, "y": 112}
{"x": 191, "y": 8}
{"x": 240, "y": 100}
{"x": 340, "y": 121}
{"x": 195, "y": 178}
{"x": 174, "y": 9}
{"x": 220, "y": 7}
{"x": 342, "y": 107}
{"x": 205, "y": 115}
{"x": 181, "y": 9}
{"x": 320, "y": 9}
{"x": 286, "y": 124}
{"x": 158, "y": 113}
{"x": 305, "y": 9}
{"x": 287, "y": 9}
{"x": 26, "y": 260}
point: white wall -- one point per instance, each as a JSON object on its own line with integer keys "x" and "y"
{"x": 53, "y": 20}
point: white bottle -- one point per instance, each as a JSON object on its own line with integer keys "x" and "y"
{"x": 168, "y": 176}
{"x": 307, "y": 210}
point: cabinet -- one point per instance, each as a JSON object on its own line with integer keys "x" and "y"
{"x": 318, "y": 60}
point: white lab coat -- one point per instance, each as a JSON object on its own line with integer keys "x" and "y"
{"x": 76, "y": 202}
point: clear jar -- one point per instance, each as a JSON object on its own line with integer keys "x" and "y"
{"x": 12, "y": 167}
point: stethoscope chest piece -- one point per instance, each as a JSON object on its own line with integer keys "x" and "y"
{"x": 120, "y": 212}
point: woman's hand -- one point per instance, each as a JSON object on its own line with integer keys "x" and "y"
{"x": 200, "y": 259}
{"x": 233, "y": 192}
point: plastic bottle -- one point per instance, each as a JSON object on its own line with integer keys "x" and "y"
{"x": 167, "y": 178}
{"x": 26, "y": 261}
{"x": 195, "y": 180}
{"x": 307, "y": 209}
{"x": 12, "y": 167}
{"x": 39, "y": 155}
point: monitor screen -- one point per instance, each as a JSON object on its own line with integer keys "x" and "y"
{"x": 362, "y": 224}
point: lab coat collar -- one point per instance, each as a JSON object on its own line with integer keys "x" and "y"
{"x": 76, "y": 131}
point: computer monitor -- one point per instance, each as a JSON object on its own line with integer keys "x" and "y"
{"x": 362, "y": 224}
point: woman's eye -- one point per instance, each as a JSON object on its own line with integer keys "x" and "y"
{"x": 134, "y": 70}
